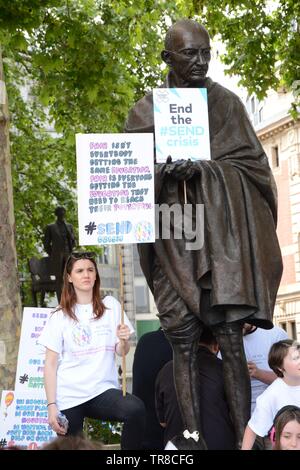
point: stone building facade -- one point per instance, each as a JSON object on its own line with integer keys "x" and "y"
{"x": 279, "y": 134}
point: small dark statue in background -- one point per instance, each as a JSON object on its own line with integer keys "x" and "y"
{"x": 59, "y": 242}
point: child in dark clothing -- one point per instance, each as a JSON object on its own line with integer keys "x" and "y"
{"x": 216, "y": 424}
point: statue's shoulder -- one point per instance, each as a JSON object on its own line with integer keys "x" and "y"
{"x": 143, "y": 103}
{"x": 223, "y": 104}
{"x": 222, "y": 93}
{"x": 140, "y": 117}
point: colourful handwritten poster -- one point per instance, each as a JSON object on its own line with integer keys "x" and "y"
{"x": 31, "y": 357}
{"x": 24, "y": 419}
{"x": 115, "y": 187}
{"x": 181, "y": 124}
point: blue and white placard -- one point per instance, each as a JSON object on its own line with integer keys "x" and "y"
{"x": 181, "y": 124}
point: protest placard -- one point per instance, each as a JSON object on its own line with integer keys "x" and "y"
{"x": 24, "y": 419}
{"x": 31, "y": 357}
{"x": 115, "y": 188}
{"x": 23, "y": 412}
{"x": 181, "y": 124}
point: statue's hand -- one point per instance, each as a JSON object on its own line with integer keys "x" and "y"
{"x": 162, "y": 168}
{"x": 181, "y": 170}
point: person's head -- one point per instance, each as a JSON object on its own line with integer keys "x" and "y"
{"x": 287, "y": 428}
{"x": 284, "y": 359}
{"x": 81, "y": 276}
{"x": 187, "y": 52}
{"x": 13, "y": 447}
{"x": 60, "y": 213}
{"x": 72, "y": 443}
{"x": 208, "y": 340}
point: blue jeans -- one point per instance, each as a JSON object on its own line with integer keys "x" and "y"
{"x": 112, "y": 406}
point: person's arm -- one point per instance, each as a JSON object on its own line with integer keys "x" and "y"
{"x": 50, "y": 370}
{"x": 248, "y": 439}
{"x": 72, "y": 236}
{"x": 159, "y": 402}
{"x": 265, "y": 376}
{"x": 47, "y": 241}
{"x": 123, "y": 334}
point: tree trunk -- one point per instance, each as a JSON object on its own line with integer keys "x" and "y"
{"x": 10, "y": 304}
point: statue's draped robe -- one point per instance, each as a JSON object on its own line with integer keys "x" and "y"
{"x": 240, "y": 261}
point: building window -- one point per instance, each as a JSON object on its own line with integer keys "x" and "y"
{"x": 252, "y": 105}
{"x": 283, "y": 325}
{"x": 103, "y": 257}
{"x": 260, "y": 115}
{"x": 275, "y": 157}
{"x": 293, "y": 330}
{"x": 136, "y": 262}
{"x": 108, "y": 255}
{"x": 142, "y": 299}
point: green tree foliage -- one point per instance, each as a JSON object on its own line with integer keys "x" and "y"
{"x": 105, "y": 432}
{"x": 43, "y": 167}
{"x": 84, "y": 62}
{"x": 262, "y": 41}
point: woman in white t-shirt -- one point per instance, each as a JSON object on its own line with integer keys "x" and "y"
{"x": 81, "y": 338}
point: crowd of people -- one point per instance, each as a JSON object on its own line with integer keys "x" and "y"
{"x": 151, "y": 415}
{"x": 85, "y": 332}
{"x": 274, "y": 369}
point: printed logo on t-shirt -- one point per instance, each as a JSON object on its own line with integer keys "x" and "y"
{"x": 82, "y": 334}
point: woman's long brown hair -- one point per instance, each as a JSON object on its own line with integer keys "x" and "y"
{"x": 292, "y": 414}
{"x": 68, "y": 296}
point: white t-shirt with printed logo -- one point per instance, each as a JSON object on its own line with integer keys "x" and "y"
{"x": 86, "y": 348}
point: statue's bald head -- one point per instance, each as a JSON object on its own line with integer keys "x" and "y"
{"x": 187, "y": 53}
{"x": 180, "y": 27}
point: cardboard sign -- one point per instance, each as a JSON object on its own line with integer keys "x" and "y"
{"x": 24, "y": 419}
{"x": 23, "y": 412}
{"x": 115, "y": 188}
{"x": 31, "y": 357}
{"x": 181, "y": 124}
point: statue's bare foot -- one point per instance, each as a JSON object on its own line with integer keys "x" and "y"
{"x": 181, "y": 443}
